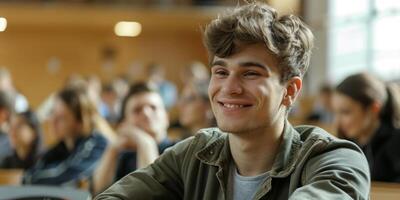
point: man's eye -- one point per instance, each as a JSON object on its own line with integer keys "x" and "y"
{"x": 220, "y": 73}
{"x": 251, "y": 74}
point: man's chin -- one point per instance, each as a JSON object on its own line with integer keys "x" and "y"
{"x": 239, "y": 128}
{"x": 231, "y": 129}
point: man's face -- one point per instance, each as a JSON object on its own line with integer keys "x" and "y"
{"x": 245, "y": 90}
{"x": 147, "y": 112}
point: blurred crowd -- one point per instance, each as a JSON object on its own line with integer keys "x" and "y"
{"x": 104, "y": 130}
{"x": 89, "y": 134}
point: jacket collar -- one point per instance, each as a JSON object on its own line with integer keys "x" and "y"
{"x": 286, "y": 159}
{"x": 217, "y": 151}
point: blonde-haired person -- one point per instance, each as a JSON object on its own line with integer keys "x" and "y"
{"x": 257, "y": 63}
{"x": 367, "y": 112}
{"x": 79, "y": 146}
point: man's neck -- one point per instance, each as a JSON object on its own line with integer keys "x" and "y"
{"x": 254, "y": 152}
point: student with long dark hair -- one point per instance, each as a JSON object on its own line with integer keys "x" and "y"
{"x": 25, "y": 140}
{"x": 367, "y": 112}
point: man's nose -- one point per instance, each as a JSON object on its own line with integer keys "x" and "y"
{"x": 232, "y": 85}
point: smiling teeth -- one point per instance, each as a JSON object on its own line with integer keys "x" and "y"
{"x": 233, "y": 106}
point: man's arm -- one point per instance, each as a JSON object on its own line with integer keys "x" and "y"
{"x": 105, "y": 172}
{"x": 160, "y": 180}
{"x": 78, "y": 166}
{"x": 342, "y": 173}
{"x": 146, "y": 149}
{"x": 129, "y": 138}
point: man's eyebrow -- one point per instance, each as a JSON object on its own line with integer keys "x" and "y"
{"x": 242, "y": 64}
{"x": 254, "y": 64}
{"x": 218, "y": 62}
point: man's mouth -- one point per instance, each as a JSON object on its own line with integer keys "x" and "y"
{"x": 234, "y": 105}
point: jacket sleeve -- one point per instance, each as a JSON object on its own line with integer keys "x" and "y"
{"x": 339, "y": 173}
{"x": 80, "y": 165}
{"x": 160, "y": 180}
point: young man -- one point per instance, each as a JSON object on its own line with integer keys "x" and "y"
{"x": 142, "y": 135}
{"x": 257, "y": 62}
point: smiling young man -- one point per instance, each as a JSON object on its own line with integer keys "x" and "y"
{"x": 257, "y": 62}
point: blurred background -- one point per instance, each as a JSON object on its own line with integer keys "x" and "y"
{"x": 46, "y": 41}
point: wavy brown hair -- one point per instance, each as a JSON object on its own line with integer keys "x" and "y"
{"x": 287, "y": 37}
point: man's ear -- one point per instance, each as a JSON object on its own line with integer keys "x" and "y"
{"x": 293, "y": 87}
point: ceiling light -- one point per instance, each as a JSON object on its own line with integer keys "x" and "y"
{"x": 3, "y": 24}
{"x": 127, "y": 29}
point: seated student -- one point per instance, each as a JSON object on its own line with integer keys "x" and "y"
{"x": 25, "y": 139}
{"x": 257, "y": 63}
{"x": 45, "y": 109}
{"x": 167, "y": 89}
{"x": 194, "y": 107}
{"x": 79, "y": 148}
{"x": 109, "y": 106}
{"x": 112, "y": 95}
{"x": 6, "y": 110}
{"x": 322, "y": 109}
{"x": 20, "y": 103}
{"x": 368, "y": 113}
{"x": 142, "y": 136}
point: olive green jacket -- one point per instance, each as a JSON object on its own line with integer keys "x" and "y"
{"x": 311, "y": 164}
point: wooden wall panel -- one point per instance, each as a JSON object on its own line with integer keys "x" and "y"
{"x": 77, "y": 36}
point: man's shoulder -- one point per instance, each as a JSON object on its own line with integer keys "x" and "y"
{"x": 310, "y": 135}
{"x": 308, "y": 132}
